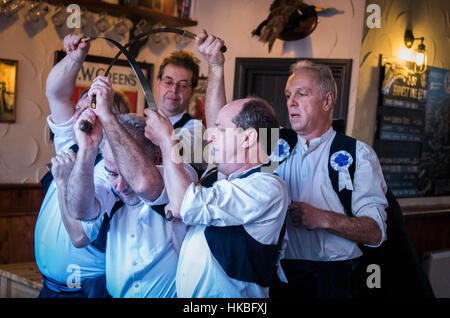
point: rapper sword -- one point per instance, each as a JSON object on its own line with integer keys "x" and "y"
{"x": 85, "y": 125}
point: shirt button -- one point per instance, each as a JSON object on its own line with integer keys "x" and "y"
{"x": 134, "y": 263}
{"x": 132, "y": 235}
{"x": 136, "y": 285}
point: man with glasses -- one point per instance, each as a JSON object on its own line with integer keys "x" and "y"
{"x": 177, "y": 79}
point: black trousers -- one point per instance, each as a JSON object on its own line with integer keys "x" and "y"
{"x": 90, "y": 288}
{"x": 310, "y": 279}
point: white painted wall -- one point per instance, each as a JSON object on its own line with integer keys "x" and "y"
{"x": 24, "y": 146}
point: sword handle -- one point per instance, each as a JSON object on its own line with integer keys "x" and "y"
{"x": 86, "y": 127}
{"x": 93, "y": 102}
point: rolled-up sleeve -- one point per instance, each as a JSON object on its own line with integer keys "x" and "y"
{"x": 369, "y": 195}
{"x": 62, "y": 134}
{"x": 92, "y": 227}
{"x": 236, "y": 202}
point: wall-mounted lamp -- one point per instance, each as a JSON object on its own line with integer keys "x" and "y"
{"x": 421, "y": 56}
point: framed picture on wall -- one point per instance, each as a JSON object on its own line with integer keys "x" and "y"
{"x": 121, "y": 76}
{"x": 8, "y": 90}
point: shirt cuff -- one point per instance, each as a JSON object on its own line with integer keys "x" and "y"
{"x": 374, "y": 214}
{"x": 190, "y": 203}
{"x": 62, "y": 134}
{"x": 92, "y": 227}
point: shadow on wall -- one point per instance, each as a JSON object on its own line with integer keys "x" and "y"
{"x": 33, "y": 28}
{"x": 302, "y": 47}
{"x": 158, "y": 43}
{"x": 366, "y": 122}
{"x": 6, "y": 22}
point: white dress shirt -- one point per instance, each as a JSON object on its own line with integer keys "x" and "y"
{"x": 191, "y": 137}
{"x": 306, "y": 174}
{"x": 258, "y": 202}
{"x": 141, "y": 261}
{"x": 55, "y": 254}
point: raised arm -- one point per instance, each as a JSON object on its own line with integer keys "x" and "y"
{"x": 61, "y": 167}
{"x": 62, "y": 77}
{"x": 209, "y": 46}
{"x": 134, "y": 165}
{"x": 80, "y": 197}
{"x": 176, "y": 180}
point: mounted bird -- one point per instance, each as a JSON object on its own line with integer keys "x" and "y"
{"x": 289, "y": 20}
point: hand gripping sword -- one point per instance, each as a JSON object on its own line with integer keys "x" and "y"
{"x": 85, "y": 125}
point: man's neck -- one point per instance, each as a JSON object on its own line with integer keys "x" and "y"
{"x": 229, "y": 169}
{"x": 315, "y": 134}
{"x": 172, "y": 114}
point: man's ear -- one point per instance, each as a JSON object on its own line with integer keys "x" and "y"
{"x": 250, "y": 138}
{"x": 328, "y": 102}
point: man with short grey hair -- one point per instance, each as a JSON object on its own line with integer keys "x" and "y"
{"x": 322, "y": 254}
{"x": 325, "y": 79}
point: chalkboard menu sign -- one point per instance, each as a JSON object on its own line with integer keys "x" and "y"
{"x": 400, "y": 126}
{"x": 412, "y": 139}
{"x": 435, "y": 165}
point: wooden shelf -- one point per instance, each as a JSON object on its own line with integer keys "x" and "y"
{"x": 133, "y": 13}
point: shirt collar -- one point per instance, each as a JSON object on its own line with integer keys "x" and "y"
{"x": 314, "y": 143}
{"x": 245, "y": 173}
{"x": 174, "y": 119}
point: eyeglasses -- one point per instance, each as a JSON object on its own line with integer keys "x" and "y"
{"x": 181, "y": 85}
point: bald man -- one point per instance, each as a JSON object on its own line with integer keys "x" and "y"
{"x": 236, "y": 213}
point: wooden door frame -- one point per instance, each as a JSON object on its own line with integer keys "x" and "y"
{"x": 247, "y": 67}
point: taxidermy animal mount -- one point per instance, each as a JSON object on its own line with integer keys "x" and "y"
{"x": 289, "y": 20}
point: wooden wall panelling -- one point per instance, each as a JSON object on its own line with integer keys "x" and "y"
{"x": 4, "y": 240}
{"x": 19, "y": 207}
{"x": 429, "y": 231}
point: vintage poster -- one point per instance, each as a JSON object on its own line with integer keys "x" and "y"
{"x": 121, "y": 76}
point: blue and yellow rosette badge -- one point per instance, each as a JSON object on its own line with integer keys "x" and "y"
{"x": 340, "y": 161}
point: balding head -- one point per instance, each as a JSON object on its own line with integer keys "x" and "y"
{"x": 236, "y": 139}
